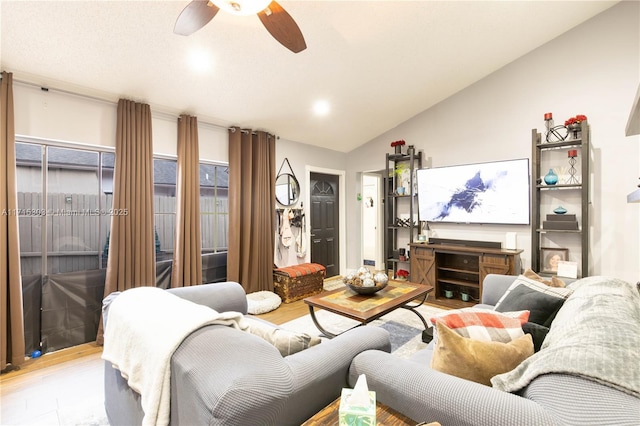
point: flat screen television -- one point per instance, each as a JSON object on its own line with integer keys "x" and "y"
{"x": 495, "y": 192}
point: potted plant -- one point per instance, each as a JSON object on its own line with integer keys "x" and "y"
{"x": 400, "y": 170}
{"x": 402, "y": 274}
{"x": 397, "y": 145}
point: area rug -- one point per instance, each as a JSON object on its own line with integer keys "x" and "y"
{"x": 333, "y": 282}
{"x": 404, "y": 327}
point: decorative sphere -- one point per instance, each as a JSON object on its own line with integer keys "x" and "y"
{"x": 381, "y": 277}
{"x": 363, "y": 270}
{"x": 368, "y": 282}
{"x": 36, "y": 354}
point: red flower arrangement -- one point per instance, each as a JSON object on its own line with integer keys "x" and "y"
{"x": 576, "y": 120}
{"x": 402, "y": 273}
{"x": 397, "y": 143}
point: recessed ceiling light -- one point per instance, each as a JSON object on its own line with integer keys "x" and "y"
{"x": 200, "y": 60}
{"x": 321, "y": 107}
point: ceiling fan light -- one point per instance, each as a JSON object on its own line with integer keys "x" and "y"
{"x": 242, "y": 7}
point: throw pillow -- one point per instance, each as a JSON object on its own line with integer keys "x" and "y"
{"x": 477, "y": 360}
{"x": 553, "y": 282}
{"x": 541, "y": 300}
{"x": 286, "y": 341}
{"x": 484, "y": 324}
{"x": 538, "y": 333}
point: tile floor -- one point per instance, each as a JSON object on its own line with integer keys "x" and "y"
{"x": 62, "y": 395}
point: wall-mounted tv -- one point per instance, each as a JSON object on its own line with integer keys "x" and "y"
{"x": 495, "y": 192}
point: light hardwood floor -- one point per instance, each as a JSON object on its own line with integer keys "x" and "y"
{"x": 47, "y": 390}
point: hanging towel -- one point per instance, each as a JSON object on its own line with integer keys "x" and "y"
{"x": 286, "y": 236}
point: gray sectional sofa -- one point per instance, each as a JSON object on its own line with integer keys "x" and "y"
{"x": 593, "y": 341}
{"x": 223, "y": 376}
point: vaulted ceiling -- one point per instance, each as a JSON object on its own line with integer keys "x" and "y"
{"x": 374, "y": 63}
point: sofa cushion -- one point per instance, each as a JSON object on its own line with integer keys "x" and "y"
{"x": 477, "y": 360}
{"x": 553, "y": 282}
{"x": 286, "y": 341}
{"x": 484, "y": 324}
{"x": 541, "y": 300}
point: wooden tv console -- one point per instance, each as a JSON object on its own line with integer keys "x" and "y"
{"x": 454, "y": 270}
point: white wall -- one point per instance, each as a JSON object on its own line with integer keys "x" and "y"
{"x": 594, "y": 70}
{"x": 65, "y": 117}
{"x": 305, "y": 159}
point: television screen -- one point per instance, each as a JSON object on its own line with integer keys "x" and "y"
{"x": 496, "y": 192}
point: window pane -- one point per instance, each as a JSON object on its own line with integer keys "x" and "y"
{"x": 29, "y": 187}
{"x": 164, "y": 181}
{"x": 73, "y": 213}
{"x": 214, "y": 207}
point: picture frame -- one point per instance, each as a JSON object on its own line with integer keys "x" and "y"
{"x": 549, "y": 258}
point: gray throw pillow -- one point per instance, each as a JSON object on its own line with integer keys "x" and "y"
{"x": 286, "y": 341}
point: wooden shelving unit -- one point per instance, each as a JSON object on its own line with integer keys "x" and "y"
{"x": 540, "y": 193}
{"x": 399, "y": 233}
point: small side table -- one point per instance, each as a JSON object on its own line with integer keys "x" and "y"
{"x": 385, "y": 416}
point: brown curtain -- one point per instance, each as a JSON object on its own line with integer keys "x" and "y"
{"x": 132, "y": 255}
{"x": 252, "y": 210}
{"x": 187, "y": 255}
{"x": 12, "y": 323}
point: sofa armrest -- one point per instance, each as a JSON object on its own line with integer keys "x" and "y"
{"x": 223, "y": 297}
{"x": 222, "y": 376}
{"x": 320, "y": 372}
{"x": 427, "y": 395}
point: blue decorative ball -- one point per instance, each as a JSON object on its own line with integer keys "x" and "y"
{"x": 36, "y": 354}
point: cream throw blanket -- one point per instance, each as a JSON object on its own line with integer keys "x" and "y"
{"x": 595, "y": 335}
{"x": 145, "y": 326}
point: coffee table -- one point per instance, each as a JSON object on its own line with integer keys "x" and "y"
{"x": 367, "y": 308}
{"x": 329, "y": 416}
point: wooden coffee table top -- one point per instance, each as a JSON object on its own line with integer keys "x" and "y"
{"x": 385, "y": 416}
{"x": 366, "y": 308}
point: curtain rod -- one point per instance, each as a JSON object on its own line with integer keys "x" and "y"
{"x": 105, "y": 100}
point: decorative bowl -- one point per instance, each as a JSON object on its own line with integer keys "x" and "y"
{"x": 365, "y": 282}
{"x": 366, "y": 290}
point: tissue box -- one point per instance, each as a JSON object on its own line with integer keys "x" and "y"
{"x": 357, "y": 416}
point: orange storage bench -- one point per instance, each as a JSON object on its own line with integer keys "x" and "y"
{"x": 296, "y": 282}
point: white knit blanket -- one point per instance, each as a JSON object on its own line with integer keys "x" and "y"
{"x": 596, "y": 335}
{"x": 145, "y": 326}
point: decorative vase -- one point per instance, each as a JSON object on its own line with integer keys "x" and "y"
{"x": 575, "y": 128}
{"x": 551, "y": 178}
{"x": 398, "y": 149}
{"x": 559, "y": 210}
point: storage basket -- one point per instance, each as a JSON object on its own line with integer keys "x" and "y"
{"x": 296, "y": 282}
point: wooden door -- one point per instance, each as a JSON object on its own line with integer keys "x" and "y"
{"x": 325, "y": 241}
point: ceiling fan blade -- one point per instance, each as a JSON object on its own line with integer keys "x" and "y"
{"x": 282, "y": 27}
{"x": 196, "y": 15}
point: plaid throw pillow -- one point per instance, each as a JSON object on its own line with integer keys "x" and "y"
{"x": 484, "y": 324}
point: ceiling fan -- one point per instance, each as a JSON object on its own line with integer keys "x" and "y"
{"x": 276, "y": 20}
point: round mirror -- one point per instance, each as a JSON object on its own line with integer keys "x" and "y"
{"x": 287, "y": 189}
